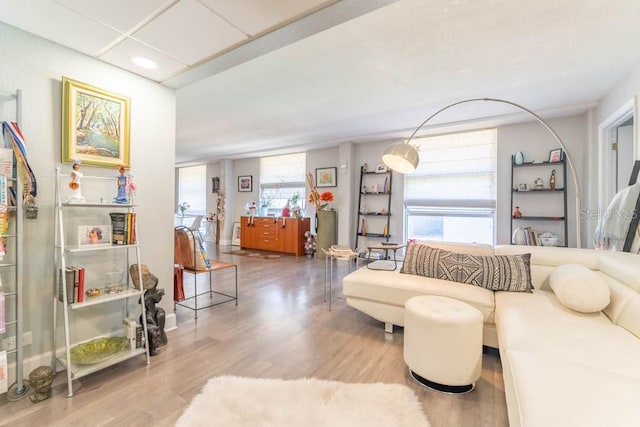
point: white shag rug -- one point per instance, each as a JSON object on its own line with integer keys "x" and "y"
{"x": 238, "y": 402}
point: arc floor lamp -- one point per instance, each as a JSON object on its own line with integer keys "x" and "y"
{"x": 404, "y": 158}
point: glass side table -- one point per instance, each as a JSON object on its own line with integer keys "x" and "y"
{"x": 385, "y": 247}
{"x": 332, "y": 257}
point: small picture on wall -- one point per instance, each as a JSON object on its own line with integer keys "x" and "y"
{"x": 555, "y": 156}
{"x": 326, "y": 177}
{"x": 89, "y": 235}
{"x": 245, "y": 184}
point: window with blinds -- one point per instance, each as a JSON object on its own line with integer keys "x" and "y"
{"x": 192, "y": 189}
{"x": 452, "y": 194}
{"x": 281, "y": 178}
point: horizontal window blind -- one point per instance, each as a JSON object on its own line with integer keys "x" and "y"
{"x": 281, "y": 177}
{"x": 283, "y": 170}
{"x": 192, "y": 188}
{"x": 455, "y": 170}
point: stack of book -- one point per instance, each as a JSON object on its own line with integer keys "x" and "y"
{"x": 74, "y": 276}
{"x": 341, "y": 251}
{"x": 123, "y": 228}
{"x": 534, "y": 238}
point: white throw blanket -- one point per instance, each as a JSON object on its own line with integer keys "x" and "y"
{"x": 613, "y": 225}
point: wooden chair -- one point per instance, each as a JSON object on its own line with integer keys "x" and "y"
{"x": 189, "y": 253}
{"x": 196, "y": 224}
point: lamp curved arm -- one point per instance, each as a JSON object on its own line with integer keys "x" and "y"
{"x": 545, "y": 125}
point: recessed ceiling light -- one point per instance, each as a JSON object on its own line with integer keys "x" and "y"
{"x": 143, "y": 62}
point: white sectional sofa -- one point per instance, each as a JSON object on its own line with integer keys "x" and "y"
{"x": 561, "y": 367}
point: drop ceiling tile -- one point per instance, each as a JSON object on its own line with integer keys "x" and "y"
{"x": 189, "y": 32}
{"x": 57, "y": 23}
{"x": 122, "y": 15}
{"x": 120, "y": 55}
{"x": 256, "y": 16}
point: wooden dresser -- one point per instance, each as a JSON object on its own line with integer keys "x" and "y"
{"x": 274, "y": 234}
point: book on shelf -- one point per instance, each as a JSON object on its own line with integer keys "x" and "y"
{"x": 76, "y": 282}
{"x": 131, "y": 238}
{"x": 69, "y": 280}
{"x": 80, "y": 293}
{"x": 133, "y": 332}
{"x": 123, "y": 228}
{"x": 118, "y": 227}
{"x": 74, "y": 278}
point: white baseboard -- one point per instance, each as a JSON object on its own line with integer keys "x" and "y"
{"x": 44, "y": 359}
{"x": 170, "y": 322}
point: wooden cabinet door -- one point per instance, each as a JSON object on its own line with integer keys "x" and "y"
{"x": 247, "y": 233}
{"x": 287, "y": 229}
{"x": 291, "y": 237}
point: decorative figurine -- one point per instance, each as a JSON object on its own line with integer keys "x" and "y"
{"x": 74, "y": 185}
{"x": 552, "y": 180}
{"x": 538, "y": 184}
{"x": 41, "y": 379}
{"x": 516, "y": 212}
{"x": 253, "y": 208}
{"x": 155, "y": 316}
{"x": 122, "y": 196}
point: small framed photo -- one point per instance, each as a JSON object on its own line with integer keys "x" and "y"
{"x": 245, "y": 184}
{"x": 523, "y": 187}
{"x": 326, "y": 177}
{"x": 91, "y": 235}
{"x": 235, "y": 237}
{"x": 381, "y": 168}
{"x": 555, "y": 156}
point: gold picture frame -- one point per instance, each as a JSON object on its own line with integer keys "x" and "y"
{"x": 95, "y": 125}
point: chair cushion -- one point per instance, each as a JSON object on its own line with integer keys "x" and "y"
{"x": 493, "y": 272}
{"x": 579, "y": 288}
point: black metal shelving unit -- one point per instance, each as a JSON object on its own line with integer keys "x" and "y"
{"x": 518, "y": 195}
{"x": 381, "y": 221}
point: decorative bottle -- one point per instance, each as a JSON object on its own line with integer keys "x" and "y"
{"x": 363, "y": 229}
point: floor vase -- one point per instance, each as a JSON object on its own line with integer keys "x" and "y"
{"x": 326, "y": 231}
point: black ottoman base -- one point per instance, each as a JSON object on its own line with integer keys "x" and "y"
{"x": 453, "y": 389}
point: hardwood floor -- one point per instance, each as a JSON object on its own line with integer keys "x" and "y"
{"x": 280, "y": 329}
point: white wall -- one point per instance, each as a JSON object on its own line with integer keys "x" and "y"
{"x": 621, "y": 93}
{"x": 36, "y": 66}
{"x": 535, "y": 142}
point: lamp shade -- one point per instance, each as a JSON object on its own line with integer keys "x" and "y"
{"x": 401, "y": 158}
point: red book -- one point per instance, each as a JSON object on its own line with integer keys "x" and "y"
{"x": 80, "y": 296}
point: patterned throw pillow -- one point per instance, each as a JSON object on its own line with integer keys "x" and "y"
{"x": 494, "y": 272}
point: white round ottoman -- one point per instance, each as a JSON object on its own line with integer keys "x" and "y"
{"x": 443, "y": 343}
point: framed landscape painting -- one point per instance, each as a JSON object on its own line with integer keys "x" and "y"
{"x": 95, "y": 125}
